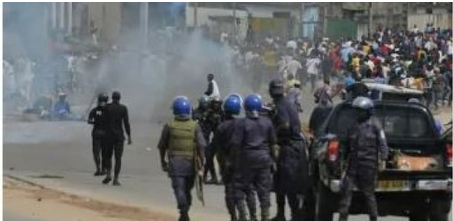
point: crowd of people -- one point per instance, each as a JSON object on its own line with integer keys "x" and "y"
{"x": 419, "y": 59}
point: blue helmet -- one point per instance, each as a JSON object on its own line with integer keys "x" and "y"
{"x": 181, "y": 106}
{"x": 253, "y": 102}
{"x": 233, "y": 104}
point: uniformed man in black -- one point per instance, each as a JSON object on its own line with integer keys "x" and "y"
{"x": 199, "y": 115}
{"x": 226, "y": 155}
{"x": 366, "y": 152}
{"x": 117, "y": 117}
{"x": 256, "y": 151}
{"x": 214, "y": 117}
{"x": 291, "y": 177}
{"x": 98, "y": 120}
{"x": 182, "y": 143}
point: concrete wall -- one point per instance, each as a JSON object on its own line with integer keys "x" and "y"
{"x": 267, "y": 11}
{"x": 107, "y": 18}
{"x": 203, "y": 14}
{"x": 439, "y": 20}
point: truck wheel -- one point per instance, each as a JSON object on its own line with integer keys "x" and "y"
{"x": 439, "y": 210}
{"x": 324, "y": 205}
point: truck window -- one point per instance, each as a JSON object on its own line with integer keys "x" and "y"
{"x": 397, "y": 122}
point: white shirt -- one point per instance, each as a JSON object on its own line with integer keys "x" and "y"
{"x": 313, "y": 66}
{"x": 293, "y": 66}
{"x": 291, "y": 44}
{"x": 215, "y": 90}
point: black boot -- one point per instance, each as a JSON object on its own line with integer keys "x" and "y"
{"x": 343, "y": 217}
{"x": 253, "y": 217}
{"x": 184, "y": 216}
{"x": 233, "y": 217}
{"x": 116, "y": 183}
{"x": 242, "y": 211}
{"x": 265, "y": 214}
{"x": 280, "y": 214}
{"x": 107, "y": 179}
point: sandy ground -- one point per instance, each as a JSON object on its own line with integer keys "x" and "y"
{"x": 40, "y": 203}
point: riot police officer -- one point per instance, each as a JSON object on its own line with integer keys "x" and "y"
{"x": 199, "y": 113}
{"x": 213, "y": 119}
{"x": 226, "y": 155}
{"x": 291, "y": 177}
{"x": 177, "y": 144}
{"x": 366, "y": 151}
{"x": 98, "y": 120}
{"x": 256, "y": 148}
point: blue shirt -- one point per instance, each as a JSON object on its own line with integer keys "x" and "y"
{"x": 61, "y": 107}
{"x": 348, "y": 81}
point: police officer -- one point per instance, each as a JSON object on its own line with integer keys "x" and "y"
{"x": 199, "y": 113}
{"x": 255, "y": 142}
{"x": 117, "y": 116}
{"x": 226, "y": 155}
{"x": 292, "y": 166}
{"x": 181, "y": 139}
{"x": 200, "y": 116}
{"x": 98, "y": 120}
{"x": 214, "y": 117}
{"x": 367, "y": 152}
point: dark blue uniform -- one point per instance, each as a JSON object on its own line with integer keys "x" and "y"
{"x": 181, "y": 169}
{"x": 292, "y": 166}
{"x": 226, "y": 156}
{"x": 213, "y": 119}
{"x": 367, "y": 145}
{"x": 253, "y": 138}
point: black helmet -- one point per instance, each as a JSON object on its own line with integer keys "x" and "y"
{"x": 103, "y": 98}
{"x": 204, "y": 101}
{"x": 216, "y": 100}
{"x": 276, "y": 88}
{"x": 116, "y": 95}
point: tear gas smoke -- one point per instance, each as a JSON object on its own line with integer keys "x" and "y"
{"x": 174, "y": 63}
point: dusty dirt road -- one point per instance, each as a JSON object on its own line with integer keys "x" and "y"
{"x": 23, "y": 201}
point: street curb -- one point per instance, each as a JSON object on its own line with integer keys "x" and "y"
{"x": 81, "y": 196}
{"x": 28, "y": 182}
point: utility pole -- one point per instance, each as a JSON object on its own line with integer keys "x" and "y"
{"x": 370, "y": 19}
{"x": 54, "y": 15}
{"x": 62, "y": 15}
{"x": 234, "y": 22}
{"x": 70, "y": 18}
{"x": 144, "y": 24}
{"x": 302, "y": 10}
{"x": 144, "y": 35}
{"x": 195, "y": 14}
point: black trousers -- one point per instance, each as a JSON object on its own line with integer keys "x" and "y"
{"x": 210, "y": 153}
{"x": 97, "y": 151}
{"x": 365, "y": 180}
{"x": 182, "y": 187}
{"x": 114, "y": 146}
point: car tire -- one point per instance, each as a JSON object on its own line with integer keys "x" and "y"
{"x": 324, "y": 203}
{"x": 439, "y": 210}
